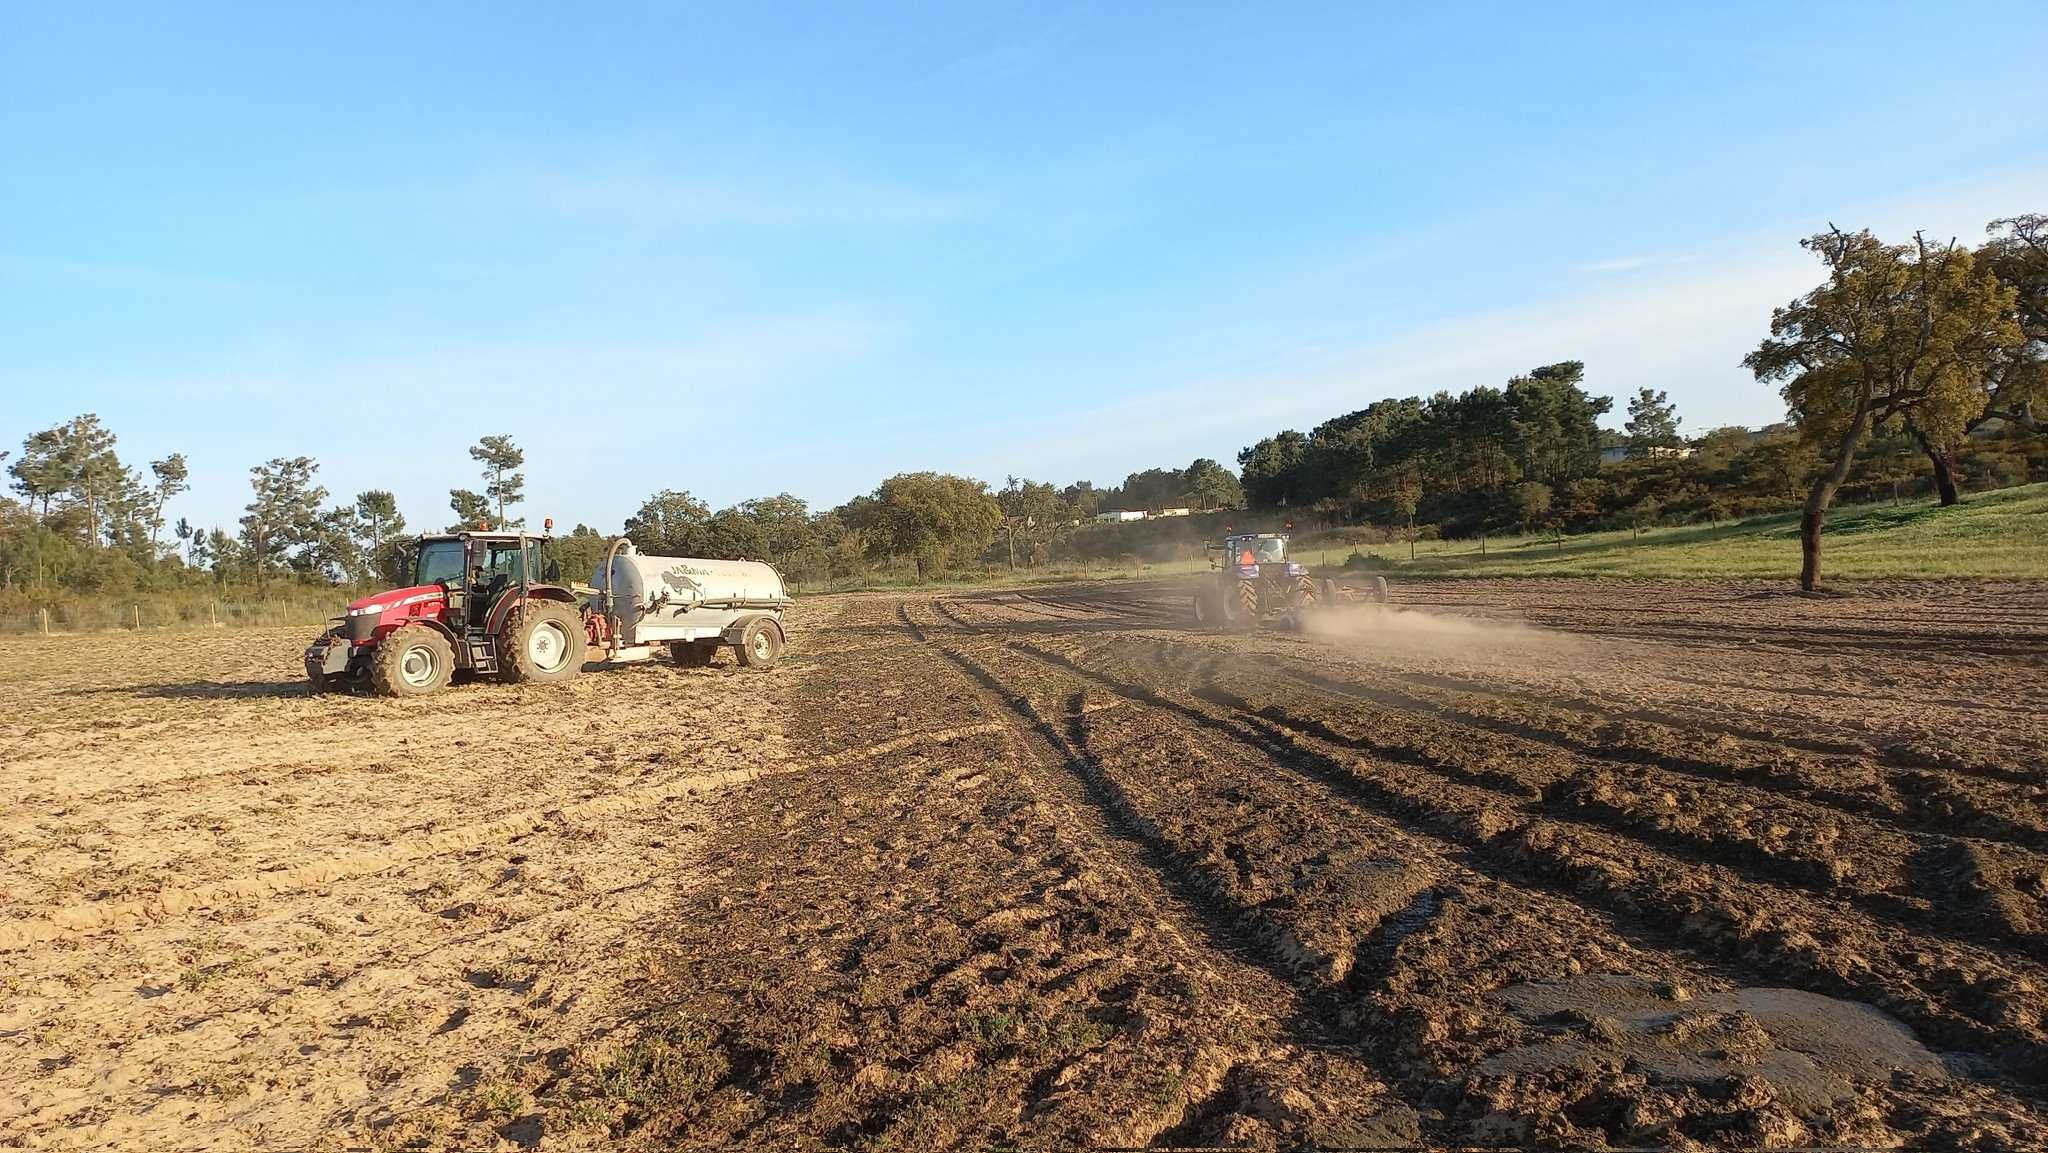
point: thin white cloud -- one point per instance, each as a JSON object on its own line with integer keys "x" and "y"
{"x": 829, "y": 200}
{"x": 34, "y": 271}
{"x": 603, "y": 424}
{"x": 1683, "y": 327}
{"x": 1618, "y": 264}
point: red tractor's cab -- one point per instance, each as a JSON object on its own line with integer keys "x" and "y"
{"x": 477, "y": 602}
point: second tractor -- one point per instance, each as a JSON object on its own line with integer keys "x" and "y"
{"x": 1254, "y": 581}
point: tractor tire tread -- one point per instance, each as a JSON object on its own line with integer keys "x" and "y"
{"x": 517, "y": 664}
{"x": 386, "y": 680}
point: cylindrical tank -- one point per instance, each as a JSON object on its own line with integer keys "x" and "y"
{"x": 669, "y": 591}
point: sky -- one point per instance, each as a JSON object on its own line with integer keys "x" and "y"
{"x": 746, "y": 249}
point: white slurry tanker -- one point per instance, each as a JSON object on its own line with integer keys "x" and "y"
{"x": 693, "y": 606}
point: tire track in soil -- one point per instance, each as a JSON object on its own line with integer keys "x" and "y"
{"x": 1767, "y": 838}
{"x": 1529, "y": 887}
{"x": 1313, "y": 1017}
{"x": 2000, "y": 1011}
{"x": 941, "y": 949}
{"x": 2006, "y": 808}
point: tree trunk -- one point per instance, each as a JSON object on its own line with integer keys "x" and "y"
{"x": 1944, "y": 467}
{"x": 1822, "y": 492}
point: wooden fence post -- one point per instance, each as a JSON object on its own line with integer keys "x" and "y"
{"x": 45, "y": 610}
{"x": 138, "y": 618}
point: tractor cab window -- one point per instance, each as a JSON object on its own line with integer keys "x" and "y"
{"x": 500, "y": 566}
{"x": 1271, "y": 551}
{"x": 439, "y": 560}
{"x": 502, "y": 560}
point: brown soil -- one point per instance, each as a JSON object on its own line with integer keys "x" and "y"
{"x": 1571, "y": 863}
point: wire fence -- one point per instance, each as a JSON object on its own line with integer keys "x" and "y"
{"x": 74, "y": 614}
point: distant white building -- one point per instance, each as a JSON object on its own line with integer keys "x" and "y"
{"x": 1119, "y": 515}
{"x": 1619, "y": 453}
{"x": 1174, "y": 512}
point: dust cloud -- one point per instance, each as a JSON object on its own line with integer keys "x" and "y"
{"x": 1479, "y": 640}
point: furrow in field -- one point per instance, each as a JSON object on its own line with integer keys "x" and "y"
{"x": 1970, "y": 889}
{"x": 943, "y": 949}
{"x": 1914, "y": 799}
{"x": 1185, "y": 802}
{"x": 1954, "y": 992}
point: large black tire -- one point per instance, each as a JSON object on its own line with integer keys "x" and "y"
{"x": 1305, "y": 592}
{"x": 761, "y": 645}
{"x": 692, "y": 654}
{"x": 1208, "y": 613}
{"x": 1247, "y": 607}
{"x": 543, "y": 642}
{"x": 1379, "y": 590}
{"x": 412, "y": 661}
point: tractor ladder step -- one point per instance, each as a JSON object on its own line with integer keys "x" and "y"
{"x": 481, "y": 656}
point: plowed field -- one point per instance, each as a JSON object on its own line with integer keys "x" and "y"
{"x": 1548, "y": 862}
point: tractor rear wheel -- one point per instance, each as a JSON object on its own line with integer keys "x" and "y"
{"x": 412, "y": 661}
{"x": 761, "y": 644}
{"x": 1206, "y": 612}
{"x": 1247, "y": 606}
{"x": 542, "y": 642}
{"x": 692, "y": 654}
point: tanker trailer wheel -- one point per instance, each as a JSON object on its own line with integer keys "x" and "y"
{"x": 542, "y": 642}
{"x": 692, "y": 654}
{"x": 412, "y": 661}
{"x": 761, "y": 644}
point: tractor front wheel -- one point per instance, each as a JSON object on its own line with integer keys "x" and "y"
{"x": 412, "y": 661}
{"x": 543, "y": 642}
{"x": 1305, "y": 592}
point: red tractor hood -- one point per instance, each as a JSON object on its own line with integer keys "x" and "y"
{"x": 392, "y": 599}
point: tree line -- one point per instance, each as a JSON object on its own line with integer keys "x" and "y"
{"x": 1919, "y": 343}
{"x": 1905, "y": 353}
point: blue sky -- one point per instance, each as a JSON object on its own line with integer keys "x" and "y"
{"x": 745, "y": 249}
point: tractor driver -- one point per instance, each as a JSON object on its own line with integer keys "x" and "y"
{"x": 1246, "y": 558}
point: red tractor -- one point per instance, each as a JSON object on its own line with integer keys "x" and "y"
{"x": 478, "y": 603}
